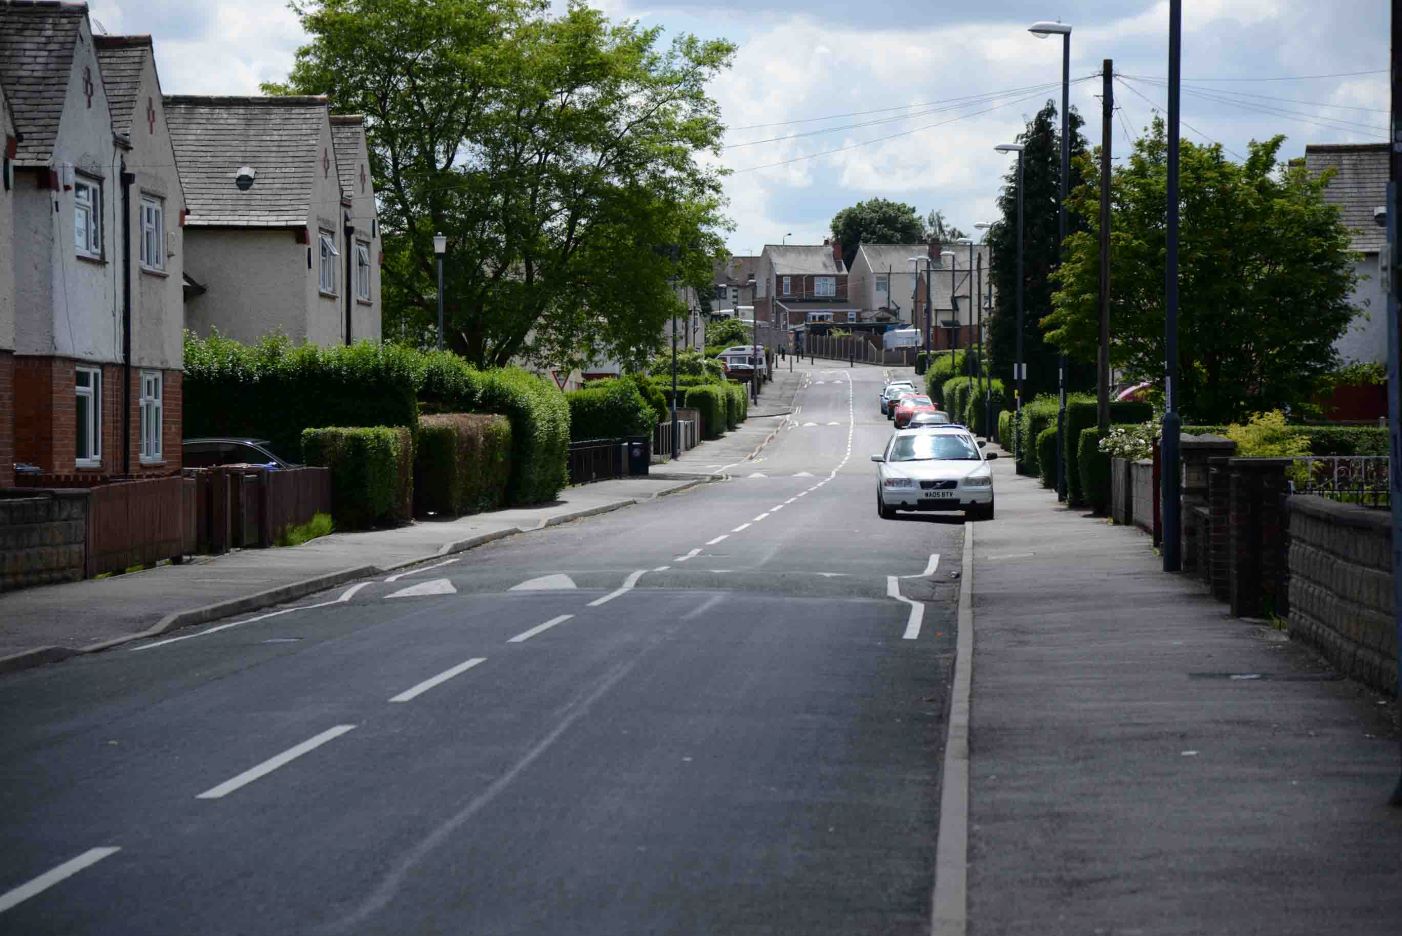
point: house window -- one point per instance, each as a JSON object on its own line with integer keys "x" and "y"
{"x": 88, "y": 417}
{"x": 883, "y": 283}
{"x": 153, "y": 233}
{"x": 734, "y": 295}
{"x": 151, "y": 416}
{"x": 825, "y": 286}
{"x": 788, "y": 285}
{"x": 329, "y": 253}
{"x": 362, "y": 271}
{"x": 851, "y": 316}
{"x": 87, "y": 218}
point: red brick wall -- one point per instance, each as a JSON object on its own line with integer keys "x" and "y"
{"x": 7, "y": 419}
{"x": 171, "y": 429}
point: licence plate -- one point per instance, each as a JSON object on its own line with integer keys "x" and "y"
{"x": 935, "y": 495}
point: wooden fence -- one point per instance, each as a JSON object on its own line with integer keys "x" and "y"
{"x": 250, "y": 507}
{"x": 138, "y": 522}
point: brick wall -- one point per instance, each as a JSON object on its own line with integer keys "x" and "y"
{"x": 7, "y": 419}
{"x": 42, "y": 538}
{"x": 1341, "y": 587}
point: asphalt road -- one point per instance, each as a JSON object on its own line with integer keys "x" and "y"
{"x": 705, "y": 714}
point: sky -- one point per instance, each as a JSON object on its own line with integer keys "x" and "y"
{"x": 912, "y": 95}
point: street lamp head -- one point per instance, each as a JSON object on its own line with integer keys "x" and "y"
{"x": 1044, "y": 29}
{"x": 1009, "y": 147}
{"x": 982, "y": 225}
{"x": 440, "y": 244}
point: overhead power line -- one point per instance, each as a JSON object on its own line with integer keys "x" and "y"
{"x": 1380, "y": 71}
{"x": 1135, "y": 91}
{"x": 1321, "y": 120}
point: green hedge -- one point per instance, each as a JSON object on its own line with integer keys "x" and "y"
{"x": 974, "y": 409}
{"x": 462, "y": 463}
{"x": 1046, "y": 455}
{"x": 737, "y": 404}
{"x": 609, "y": 409}
{"x": 372, "y": 478}
{"x": 274, "y": 390}
{"x": 946, "y": 364}
{"x": 1346, "y": 440}
{"x": 1081, "y": 415}
{"x": 1037, "y": 414}
{"x": 711, "y": 401}
{"x": 955, "y": 394}
{"x": 540, "y": 432}
{"x": 1093, "y": 467}
{"x": 1005, "y": 430}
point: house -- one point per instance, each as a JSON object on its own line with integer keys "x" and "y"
{"x": 735, "y": 285}
{"x": 952, "y": 275}
{"x": 273, "y": 240}
{"x": 1358, "y": 187}
{"x": 797, "y": 285}
{"x": 95, "y": 240}
{"x": 8, "y": 145}
{"x": 881, "y": 281}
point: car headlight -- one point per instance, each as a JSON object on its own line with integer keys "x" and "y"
{"x": 898, "y": 483}
{"x": 978, "y": 481}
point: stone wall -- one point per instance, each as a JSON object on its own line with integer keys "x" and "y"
{"x": 43, "y": 537}
{"x": 1341, "y": 587}
{"x": 1142, "y": 496}
{"x": 1121, "y": 491}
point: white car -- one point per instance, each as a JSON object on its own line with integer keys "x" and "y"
{"x": 934, "y": 468}
{"x": 892, "y": 390}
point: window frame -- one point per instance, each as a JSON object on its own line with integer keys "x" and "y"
{"x": 787, "y": 283}
{"x": 153, "y": 234}
{"x": 326, "y": 269}
{"x": 362, "y": 271}
{"x": 830, "y": 282}
{"x": 93, "y": 423}
{"x": 152, "y": 409}
{"x": 883, "y": 283}
{"x": 91, "y": 246}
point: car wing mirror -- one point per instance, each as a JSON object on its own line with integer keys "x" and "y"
{"x": 878, "y": 458}
{"x": 989, "y": 456}
{"x": 982, "y": 443}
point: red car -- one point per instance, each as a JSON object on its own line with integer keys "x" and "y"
{"x": 909, "y": 404}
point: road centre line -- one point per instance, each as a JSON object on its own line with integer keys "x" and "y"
{"x": 776, "y": 507}
{"x": 399, "y": 575}
{"x": 917, "y": 608}
{"x": 628, "y": 584}
{"x": 691, "y": 555}
{"x": 273, "y": 763}
{"x": 53, "y": 876}
{"x": 540, "y": 628}
{"x": 743, "y": 526}
{"x": 661, "y": 568}
{"x": 345, "y": 596}
{"x": 712, "y": 542}
{"x": 760, "y": 517}
{"x": 442, "y": 677}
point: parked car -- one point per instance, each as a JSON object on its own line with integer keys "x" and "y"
{"x": 908, "y": 405}
{"x": 894, "y": 404}
{"x": 212, "y": 452}
{"x": 932, "y": 417}
{"x": 740, "y": 361}
{"x": 934, "y": 469}
{"x": 892, "y": 390}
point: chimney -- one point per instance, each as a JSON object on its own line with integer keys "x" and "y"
{"x": 934, "y": 248}
{"x": 837, "y": 251}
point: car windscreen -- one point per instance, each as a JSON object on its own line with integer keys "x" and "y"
{"x": 911, "y": 400}
{"x": 930, "y": 447}
{"x": 930, "y": 419}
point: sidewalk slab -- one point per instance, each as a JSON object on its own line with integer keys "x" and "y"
{"x": 1142, "y": 762}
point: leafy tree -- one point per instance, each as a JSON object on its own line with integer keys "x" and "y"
{"x": 876, "y": 221}
{"x": 1041, "y": 176}
{"x": 555, "y": 152}
{"x": 937, "y": 228}
{"x": 1265, "y": 274}
{"x": 728, "y": 332}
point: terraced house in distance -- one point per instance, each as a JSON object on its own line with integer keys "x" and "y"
{"x": 95, "y": 253}
{"x": 282, "y": 233}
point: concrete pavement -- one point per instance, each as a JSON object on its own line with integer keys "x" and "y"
{"x": 1142, "y": 762}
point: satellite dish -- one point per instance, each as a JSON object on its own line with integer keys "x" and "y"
{"x": 244, "y": 177}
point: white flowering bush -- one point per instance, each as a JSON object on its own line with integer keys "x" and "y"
{"x": 1131, "y": 440}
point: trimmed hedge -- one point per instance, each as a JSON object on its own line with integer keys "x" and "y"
{"x": 711, "y": 401}
{"x": 1046, "y": 455}
{"x": 462, "y": 463}
{"x": 945, "y": 365}
{"x": 1093, "y": 466}
{"x": 1346, "y": 440}
{"x": 540, "y": 432}
{"x": 1082, "y": 415}
{"x": 1005, "y": 430}
{"x": 955, "y": 393}
{"x": 974, "y": 408}
{"x": 372, "y": 477}
{"x": 609, "y": 410}
{"x": 1037, "y": 414}
{"x": 737, "y": 404}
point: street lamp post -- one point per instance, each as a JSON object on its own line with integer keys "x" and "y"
{"x": 1042, "y": 30}
{"x": 968, "y": 278}
{"x": 1170, "y": 474}
{"x": 982, "y": 351}
{"x": 440, "y": 247}
{"x": 1019, "y": 368}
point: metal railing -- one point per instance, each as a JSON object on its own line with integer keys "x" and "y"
{"x": 596, "y": 460}
{"x": 1351, "y": 479}
{"x": 662, "y": 438}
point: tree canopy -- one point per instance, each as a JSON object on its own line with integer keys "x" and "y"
{"x": 876, "y": 221}
{"x": 1041, "y": 177}
{"x": 1265, "y": 274}
{"x": 937, "y": 228}
{"x": 557, "y": 153}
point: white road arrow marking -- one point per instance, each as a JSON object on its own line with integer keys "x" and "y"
{"x": 917, "y": 609}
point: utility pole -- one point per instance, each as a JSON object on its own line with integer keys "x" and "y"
{"x": 1171, "y": 471}
{"x": 1102, "y": 374}
{"x": 1394, "y": 345}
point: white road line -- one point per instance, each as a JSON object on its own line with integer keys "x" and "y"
{"x": 951, "y": 899}
{"x": 442, "y": 677}
{"x": 345, "y": 596}
{"x": 917, "y": 609}
{"x": 661, "y": 568}
{"x": 760, "y": 517}
{"x": 712, "y": 542}
{"x": 440, "y": 586}
{"x": 49, "y": 878}
{"x": 540, "y": 628}
{"x": 628, "y": 584}
{"x": 399, "y": 575}
{"x": 743, "y": 526}
{"x": 273, "y": 763}
{"x": 777, "y": 507}
{"x": 691, "y": 555}
{"x": 930, "y": 567}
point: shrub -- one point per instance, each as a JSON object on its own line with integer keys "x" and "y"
{"x": 655, "y": 397}
{"x": 609, "y": 410}
{"x": 1046, "y": 455}
{"x": 737, "y": 404}
{"x": 690, "y": 363}
{"x": 955, "y": 394}
{"x": 1267, "y": 435}
{"x": 1082, "y": 415}
{"x": 372, "y": 481}
{"x": 1134, "y": 441}
{"x": 710, "y": 400}
{"x": 1037, "y": 414}
{"x": 1093, "y": 467}
{"x": 1005, "y": 430}
{"x": 1345, "y": 440}
{"x": 540, "y": 432}
{"x": 974, "y": 409}
{"x": 462, "y": 463}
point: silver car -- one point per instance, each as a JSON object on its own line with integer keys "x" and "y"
{"x": 934, "y": 468}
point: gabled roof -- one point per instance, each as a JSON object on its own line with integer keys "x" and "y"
{"x": 278, "y": 137}
{"x": 1359, "y": 185}
{"x": 735, "y": 270}
{"x": 347, "y": 130}
{"x": 122, "y": 59}
{"x": 890, "y": 258}
{"x": 804, "y": 259}
{"x": 37, "y": 38}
